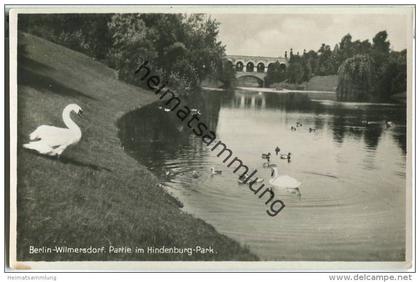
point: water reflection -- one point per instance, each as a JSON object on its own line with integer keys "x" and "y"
{"x": 348, "y": 119}
{"x": 352, "y": 166}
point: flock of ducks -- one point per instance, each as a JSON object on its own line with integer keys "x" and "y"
{"x": 267, "y": 156}
{"x": 387, "y": 124}
{"x": 195, "y": 174}
{"x": 279, "y": 182}
{"x": 299, "y": 124}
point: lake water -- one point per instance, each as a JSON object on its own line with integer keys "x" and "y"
{"x": 352, "y": 204}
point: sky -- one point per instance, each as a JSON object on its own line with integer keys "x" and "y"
{"x": 272, "y": 34}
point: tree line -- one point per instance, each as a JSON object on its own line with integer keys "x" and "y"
{"x": 366, "y": 70}
{"x": 183, "y": 49}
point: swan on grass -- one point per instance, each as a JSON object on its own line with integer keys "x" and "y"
{"x": 51, "y": 140}
{"x": 285, "y": 182}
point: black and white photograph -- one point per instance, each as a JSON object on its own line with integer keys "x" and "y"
{"x": 275, "y": 136}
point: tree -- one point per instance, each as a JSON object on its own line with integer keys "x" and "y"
{"x": 226, "y": 74}
{"x": 275, "y": 73}
{"x": 393, "y": 79}
{"x": 380, "y": 42}
{"x": 307, "y": 71}
{"x": 311, "y": 57}
{"x": 295, "y": 73}
{"x": 362, "y": 47}
{"x": 380, "y": 52}
{"x": 345, "y": 48}
{"x": 184, "y": 49}
{"x": 131, "y": 44}
{"x": 355, "y": 79}
{"x": 87, "y": 33}
{"x": 326, "y": 63}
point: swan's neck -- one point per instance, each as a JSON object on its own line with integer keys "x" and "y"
{"x": 69, "y": 122}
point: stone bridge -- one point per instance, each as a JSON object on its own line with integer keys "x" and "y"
{"x": 254, "y": 66}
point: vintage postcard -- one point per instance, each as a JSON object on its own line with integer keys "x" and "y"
{"x": 211, "y": 138}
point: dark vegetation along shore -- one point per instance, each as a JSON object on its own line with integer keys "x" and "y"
{"x": 187, "y": 53}
{"x": 367, "y": 70}
{"x": 95, "y": 195}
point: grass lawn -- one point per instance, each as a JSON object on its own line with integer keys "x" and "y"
{"x": 326, "y": 83}
{"x": 95, "y": 195}
{"x": 323, "y": 83}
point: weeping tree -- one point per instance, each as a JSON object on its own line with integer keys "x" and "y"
{"x": 355, "y": 79}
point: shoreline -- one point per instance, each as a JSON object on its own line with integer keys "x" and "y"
{"x": 96, "y": 194}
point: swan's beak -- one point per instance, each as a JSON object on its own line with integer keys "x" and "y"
{"x": 80, "y": 114}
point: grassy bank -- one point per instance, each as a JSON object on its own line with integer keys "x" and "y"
{"x": 95, "y": 195}
{"x": 322, "y": 83}
{"x": 326, "y": 83}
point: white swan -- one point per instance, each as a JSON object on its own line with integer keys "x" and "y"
{"x": 51, "y": 140}
{"x": 284, "y": 182}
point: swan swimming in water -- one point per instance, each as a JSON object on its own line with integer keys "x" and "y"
{"x": 51, "y": 140}
{"x": 284, "y": 182}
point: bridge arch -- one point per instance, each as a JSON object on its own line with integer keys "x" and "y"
{"x": 260, "y": 67}
{"x": 250, "y": 67}
{"x": 257, "y": 76}
{"x": 255, "y": 66}
{"x": 239, "y": 65}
